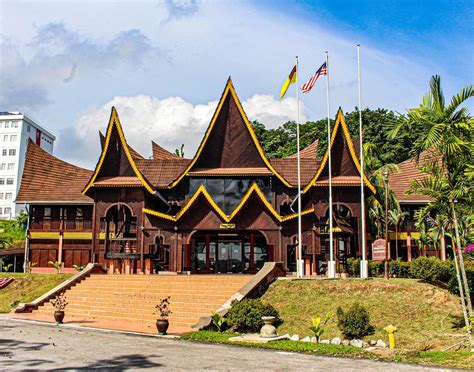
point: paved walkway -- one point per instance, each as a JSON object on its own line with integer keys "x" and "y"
{"x": 32, "y": 346}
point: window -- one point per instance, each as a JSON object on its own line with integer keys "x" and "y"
{"x": 2, "y": 166}
{"x": 7, "y": 210}
{"x": 1, "y": 211}
{"x": 28, "y": 129}
{"x": 7, "y": 124}
{"x": 15, "y": 124}
{"x": 5, "y": 138}
{"x": 4, "y": 152}
{"x": 2, "y": 181}
{"x": 1, "y": 195}
{"x": 8, "y": 196}
{"x": 13, "y": 138}
{"x": 9, "y": 181}
{"x": 12, "y": 152}
{"x": 11, "y": 166}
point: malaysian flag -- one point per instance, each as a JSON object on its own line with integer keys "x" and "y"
{"x": 310, "y": 83}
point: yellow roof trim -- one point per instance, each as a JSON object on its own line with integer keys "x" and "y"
{"x": 114, "y": 121}
{"x": 230, "y": 88}
{"x": 295, "y": 215}
{"x": 340, "y": 121}
{"x": 226, "y": 218}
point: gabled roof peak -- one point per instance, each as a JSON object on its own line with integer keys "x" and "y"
{"x": 114, "y": 125}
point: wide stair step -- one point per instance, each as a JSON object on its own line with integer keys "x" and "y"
{"x": 130, "y": 299}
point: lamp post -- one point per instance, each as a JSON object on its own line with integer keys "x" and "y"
{"x": 386, "y": 274}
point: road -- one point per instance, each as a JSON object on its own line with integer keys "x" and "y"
{"x": 33, "y": 346}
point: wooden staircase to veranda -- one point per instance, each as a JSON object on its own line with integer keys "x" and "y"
{"x": 127, "y": 302}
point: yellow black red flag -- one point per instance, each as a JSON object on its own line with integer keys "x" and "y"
{"x": 289, "y": 80}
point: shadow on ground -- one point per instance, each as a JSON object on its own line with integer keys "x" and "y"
{"x": 121, "y": 363}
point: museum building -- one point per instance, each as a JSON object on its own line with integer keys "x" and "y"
{"x": 229, "y": 209}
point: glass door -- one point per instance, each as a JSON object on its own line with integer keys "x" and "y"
{"x": 230, "y": 257}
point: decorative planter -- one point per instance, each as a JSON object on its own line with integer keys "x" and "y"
{"x": 162, "y": 326}
{"x": 268, "y": 330}
{"x": 59, "y": 316}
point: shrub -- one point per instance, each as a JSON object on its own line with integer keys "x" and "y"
{"x": 400, "y": 269}
{"x": 376, "y": 268}
{"x": 355, "y": 323}
{"x": 353, "y": 266}
{"x": 218, "y": 321}
{"x": 246, "y": 315}
{"x": 430, "y": 269}
{"x": 453, "y": 282}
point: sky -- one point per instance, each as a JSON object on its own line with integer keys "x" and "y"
{"x": 164, "y": 64}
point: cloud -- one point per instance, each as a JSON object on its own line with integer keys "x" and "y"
{"x": 59, "y": 55}
{"x": 170, "y": 122}
{"x": 180, "y": 8}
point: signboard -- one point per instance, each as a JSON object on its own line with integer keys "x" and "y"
{"x": 227, "y": 226}
{"x": 378, "y": 250}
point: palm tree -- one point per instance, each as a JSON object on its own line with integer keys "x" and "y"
{"x": 445, "y": 134}
{"x": 396, "y": 217}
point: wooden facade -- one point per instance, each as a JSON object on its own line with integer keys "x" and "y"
{"x": 228, "y": 209}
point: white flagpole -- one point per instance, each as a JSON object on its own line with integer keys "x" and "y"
{"x": 363, "y": 263}
{"x": 332, "y": 263}
{"x": 299, "y": 262}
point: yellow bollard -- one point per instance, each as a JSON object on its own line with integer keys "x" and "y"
{"x": 391, "y": 335}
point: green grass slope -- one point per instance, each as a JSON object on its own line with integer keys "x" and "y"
{"x": 427, "y": 317}
{"x": 27, "y": 287}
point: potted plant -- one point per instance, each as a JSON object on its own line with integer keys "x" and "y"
{"x": 59, "y": 303}
{"x": 163, "y": 308}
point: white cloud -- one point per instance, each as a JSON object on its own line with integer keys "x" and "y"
{"x": 170, "y": 121}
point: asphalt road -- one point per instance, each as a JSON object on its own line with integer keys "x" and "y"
{"x": 31, "y": 346}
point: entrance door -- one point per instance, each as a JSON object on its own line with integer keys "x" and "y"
{"x": 229, "y": 257}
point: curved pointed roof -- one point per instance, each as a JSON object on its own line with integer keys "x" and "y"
{"x": 161, "y": 153}
{"x": 230, "y": 142}
{"x": 47, "y": 178}
{"x": 130, "y": 169}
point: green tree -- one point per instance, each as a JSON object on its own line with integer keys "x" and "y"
{"x": 445, "y": 137}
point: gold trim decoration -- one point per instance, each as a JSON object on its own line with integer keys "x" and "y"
{"x": 226, "y": 218}
{"x": 82, "y": 235}
{"x": 230, "y": 88}
{"x": 340, "y": 121}
{"x": 44, "y": 235}
{"x": 114, "y": 121}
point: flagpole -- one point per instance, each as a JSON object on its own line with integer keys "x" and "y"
{"x": 363, "y": 263}
{"x": 299, "y": 262}
{"x": 332, "y": 264}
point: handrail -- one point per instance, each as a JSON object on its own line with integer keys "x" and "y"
{"x": 253, "y": 287}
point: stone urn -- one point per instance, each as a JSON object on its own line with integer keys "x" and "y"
{"x": 268, "y": 330}
{"x": 59, "y": 317}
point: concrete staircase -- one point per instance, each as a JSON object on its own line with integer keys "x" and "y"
{"x": 127, "y": 302}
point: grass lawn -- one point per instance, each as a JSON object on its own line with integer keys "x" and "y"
{"x": 459, "y": 359}
{"x": 27, "y": 287}
{"x": 426, "y": 316}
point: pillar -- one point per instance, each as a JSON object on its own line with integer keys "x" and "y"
{"x": 409, "y": 247}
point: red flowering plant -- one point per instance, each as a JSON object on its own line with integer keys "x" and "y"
{"x": 469, "y": 251}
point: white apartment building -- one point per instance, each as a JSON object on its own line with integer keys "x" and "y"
{"x": 15, "y": 130}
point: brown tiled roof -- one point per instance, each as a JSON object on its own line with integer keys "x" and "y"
{"x": 117, "y": 181}
{"x": 287, "y": 167}
{"x": 250, "y": 171}
{"x": 340, "y": 180}
{"x": 47, "y": 178}
{"x": 161, "y": 172}
{"x": 400, "y": 182}
{"x": 161, "y": 153}
{"x": 310, "y": 152}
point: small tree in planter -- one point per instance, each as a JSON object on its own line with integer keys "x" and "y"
{"x": 163, "y": 309}
{"x": 59, "y": 303}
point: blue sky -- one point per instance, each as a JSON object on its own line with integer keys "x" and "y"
{"x": 164, "y": 63}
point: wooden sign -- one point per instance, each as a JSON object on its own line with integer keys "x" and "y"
{"x": 378, "y": 250}
{"x": 227, "y": 226}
